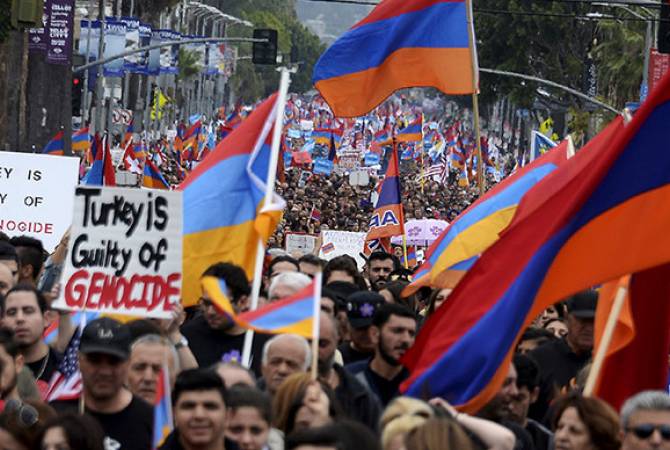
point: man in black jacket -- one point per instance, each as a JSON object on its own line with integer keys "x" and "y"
{"x": 356, "y": 401}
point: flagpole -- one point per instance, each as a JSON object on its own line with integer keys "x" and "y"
{"x": 605, "y": 341}
{"x": 475, "y": 96}
{"x": 284, "y": 82}
{"x": 316, "y": 315}
{"x": 402, "y": 217}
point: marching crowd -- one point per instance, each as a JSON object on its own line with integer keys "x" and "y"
{"x": 366, "y": 325}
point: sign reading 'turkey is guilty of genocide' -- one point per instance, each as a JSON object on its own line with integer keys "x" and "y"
{"x": 125, "y": 252}
{"x": 36, "y": 195}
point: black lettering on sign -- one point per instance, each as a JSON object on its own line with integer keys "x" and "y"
{"x": 34, "y": 175}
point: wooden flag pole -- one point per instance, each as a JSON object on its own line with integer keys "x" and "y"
{"x": 316, "y": 314}
{"x": 605, "y": 341}
{"x": 284, "y": 82}
{"x": 475, "y": 95}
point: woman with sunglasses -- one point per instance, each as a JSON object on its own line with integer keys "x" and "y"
{"x": 585, "y": 423}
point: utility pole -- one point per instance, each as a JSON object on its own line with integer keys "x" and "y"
{"x": 99, "y": 88}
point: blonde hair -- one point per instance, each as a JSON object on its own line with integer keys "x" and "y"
{"x": 405, "y": 406}
{"x": 401, "y": 425}
{"x": 439, "y": 434}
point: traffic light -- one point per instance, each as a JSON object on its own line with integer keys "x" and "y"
{"x": 664, "y": 29}
{"x": 77, "y": 90}
{"x": 265, "y": 52}
{"x": 27, "y": 13}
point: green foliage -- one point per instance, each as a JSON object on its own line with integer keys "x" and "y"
{"x": 306, "y": 51}
{"x": 554, "y": 48}
{"x": 620, "y": 61}
{"x": 296, "y": 44}
{"x": 5, "y": 19}
{"x": 188, "y": 64}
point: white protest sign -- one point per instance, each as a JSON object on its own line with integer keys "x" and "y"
{"x": 36, "y": 195}
{"x": 336, "y": 243}
{"x": 299, "y": 243}
{"x": 125, "y": 254}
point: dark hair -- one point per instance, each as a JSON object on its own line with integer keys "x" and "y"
{"x": 240, "y": 396}
{"x": 282, "y": 258}
{"x": 533, "y": 333}
{"x": 142, "y": 327}
{"x": 81, "y": 431}
{"x": 383, "y": 256}
{"x": 235, "y": 278}
{"x": 30, "y": 252}
{"x": 528, "y": 372}
{"x": 386, "y": 310}
{"x": 24, "y": 287}
{"x": 8, "y": 252}
{"x": 311, "y": 259}
{"x": 395, "y": 288}
{"x": 344, "y": 263}
{"x": 598, "y": 417}
{"x": 7, "y": 341}
{"x": 198, "y": 380}
{"x": 343, "y": 435}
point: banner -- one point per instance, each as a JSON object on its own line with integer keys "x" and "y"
{"x": 659, "y": 63}
{"x": 215, "y": 61}
{"x": 169, "y": 56}
{"x": 37, "y": 38}
{"x": 36, "y": 195}
{"x": 323, "y": 167}
{"x": 155, "y": 54}
{"x": 125, "y": 253}
{"x": 115, "y": 43}
{"x": 199, "y": 50}
{"x": 86, "y": 44}
{"x": 131, "y": 62}
{"x": 59, "y": 31}
{"x": 336, "y": 243}
{"x": 299, "y": 243}
{"x": 145, "y": 41}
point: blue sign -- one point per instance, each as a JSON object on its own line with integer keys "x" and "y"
{"x": 323, "y": 166}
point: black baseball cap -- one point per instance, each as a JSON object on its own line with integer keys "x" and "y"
{"x": 361, "y": 308}
{"x": 582, "y": 305}
{"x": 108, "y": 336}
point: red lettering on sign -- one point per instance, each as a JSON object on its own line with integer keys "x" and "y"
{"x": 98, "y": 291}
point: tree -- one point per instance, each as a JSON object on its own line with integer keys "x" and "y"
{"x": 620, "y": 61}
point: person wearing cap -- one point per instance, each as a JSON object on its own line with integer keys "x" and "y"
{"x": 392, "y": 332}
{"x": 361, "y": 307}
{"x": 560, "y": 360}
{"x": 127, "y": 420}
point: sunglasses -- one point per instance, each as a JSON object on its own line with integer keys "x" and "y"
{"x": 645, "y": 430}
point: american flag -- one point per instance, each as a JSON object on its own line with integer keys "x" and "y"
{"x": 439, "y": 170}
{"x": 65, "y": 383}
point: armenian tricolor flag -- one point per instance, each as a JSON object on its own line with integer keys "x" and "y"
{"x": 163, "y": 424}
{"x": 153, "y": 178}
{"x": 400, "y": 44}
{"x": 102, "y": 171}
{"x": 81, "y": 140}
{"x": 601, "y": 215}
{"x": 223, "y": 197}
{"x": 412, "y": 132}
{"x": 56, "y": 146}
{"x": 128, "y": 136}
{"x": 479, "y": 226}
{"x": 294, "y": 314}
{"x": 388, "y": 218}
{"x": 321, "y": 136}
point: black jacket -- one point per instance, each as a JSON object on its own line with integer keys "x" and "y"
{"x": 357, "y": 402}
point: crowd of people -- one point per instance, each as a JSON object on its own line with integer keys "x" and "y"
{"x": 117, "y": 371}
